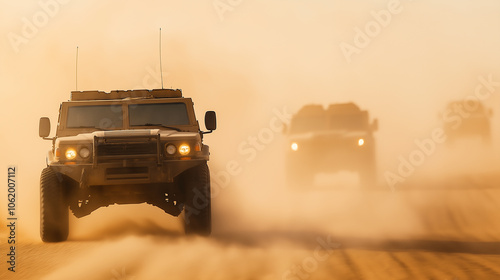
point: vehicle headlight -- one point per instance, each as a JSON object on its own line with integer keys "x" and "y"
{"x": 171, "y": 149}
{"x": 184, "y": 149}
{"x": 70, "y": 154}
{"x": 361, "y": 142}
{"x": 294, "y": 146}
{"x": 84, "y": 152}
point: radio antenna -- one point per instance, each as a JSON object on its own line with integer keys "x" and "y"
{"x": 76, "y": 72}
{"x": 161, "y": 71}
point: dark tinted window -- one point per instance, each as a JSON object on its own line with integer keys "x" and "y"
{"x": 96, "y": 116}
{"x": 308, "y": 124}
{"x": 158, "y": 114}
{"x": 349, "y": 122}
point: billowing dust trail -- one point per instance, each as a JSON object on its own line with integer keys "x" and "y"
{"x": 447, "y": 230}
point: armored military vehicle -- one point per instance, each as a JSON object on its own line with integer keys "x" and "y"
{"x": 465, "y": 119}
{"x": 126, "y": 147}
{"x": 327, "y": 141}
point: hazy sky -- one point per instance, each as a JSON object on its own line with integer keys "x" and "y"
{"x": 414, "y": 56}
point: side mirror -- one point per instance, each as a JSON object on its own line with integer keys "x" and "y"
{"x": 375, "y": 125}
{"x": 44, "y": 127}
{"x": 210, "y": 120}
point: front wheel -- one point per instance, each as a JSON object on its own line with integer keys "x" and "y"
{"x": 54, "y": 220}
{"x": 197, "y": 206}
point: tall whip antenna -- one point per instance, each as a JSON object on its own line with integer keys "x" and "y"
{"x": 161, "y": 70}
{"x": 76, "y": 72}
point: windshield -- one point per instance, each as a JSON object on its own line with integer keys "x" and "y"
{"x": 335, "y": 122}
{"x": 163, "y": 114}
{"x": 307, "y": 124}
{"x": 349, "y": 122}
{"x": 96, "y": 116}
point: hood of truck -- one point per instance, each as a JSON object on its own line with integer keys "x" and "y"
{"x": 164, "y": 134}
{"x": 344, "y": 134}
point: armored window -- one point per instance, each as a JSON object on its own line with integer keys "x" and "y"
{"x": 355, "y": 121}
{"x": 95, "y": 116}
{"x": 165, "y": 114}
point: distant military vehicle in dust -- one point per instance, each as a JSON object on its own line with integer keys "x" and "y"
{"x": 465, "y": 119}
{"x": 126, "y": 147}
{"x": 327, "y": 141}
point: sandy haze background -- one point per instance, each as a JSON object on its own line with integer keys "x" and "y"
{"x": 246, "y": 63}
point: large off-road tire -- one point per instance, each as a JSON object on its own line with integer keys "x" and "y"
{"x": 54, "y": 220}
{"x": 197, "y": 206}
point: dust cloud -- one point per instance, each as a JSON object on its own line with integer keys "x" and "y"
{"x": 254, "y": 63}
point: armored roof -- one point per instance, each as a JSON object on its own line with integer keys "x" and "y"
{"x": 121, "y": 94}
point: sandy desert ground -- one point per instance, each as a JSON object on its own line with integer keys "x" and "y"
{"x": 441, "y": 227}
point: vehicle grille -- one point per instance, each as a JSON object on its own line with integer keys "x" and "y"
{"x": 119, "y": 149}
{"x": 108, "y": 149}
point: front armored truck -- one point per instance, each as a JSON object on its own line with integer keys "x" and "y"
{"x": 126, "y": 147}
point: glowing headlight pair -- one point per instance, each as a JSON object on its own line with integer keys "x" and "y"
{"x": 70, "y": 153}
{"x": 184, "y": 149}
{"x": 295, "y": 146}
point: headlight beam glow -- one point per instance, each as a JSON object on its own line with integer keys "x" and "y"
{"x": 70, "y": 154}
{"x": 361, "y": 142}
{"x": 184, "y": 149}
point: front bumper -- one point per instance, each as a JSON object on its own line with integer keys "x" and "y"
{"x": 130, "y": 159}
{"x": 331, "y": 160}
{"x": 126, "y": 172}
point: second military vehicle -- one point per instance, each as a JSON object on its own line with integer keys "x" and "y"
{"x": 331, "y": 140}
